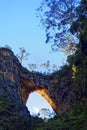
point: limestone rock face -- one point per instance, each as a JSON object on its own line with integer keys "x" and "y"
{"x": 16, "y": 83}
{"x": 10, "y": 82}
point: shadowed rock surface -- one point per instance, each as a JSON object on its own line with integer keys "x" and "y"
{"x": 10, "y": 81}
{"x": 16, "y": 83}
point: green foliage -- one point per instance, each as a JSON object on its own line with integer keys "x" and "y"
{"x": 37, "y": 123}
{"x": 75, "y": 120}
{"x": 11, "y": 120}
{"x": 14, "y": 122}
{"x": 79, "y": 59}
{"x": 72, "y": 121}
{"x": 57, "y": 16}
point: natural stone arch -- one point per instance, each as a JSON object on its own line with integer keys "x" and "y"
{"x": 21, "y": 81}
{"x": 28, "y": 86}
{"x": 17, "y": 83}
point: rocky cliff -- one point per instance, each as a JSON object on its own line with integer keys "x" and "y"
{"x": 13, "y": 113}
{"x": 10, "y": 81}
{"x": 16, "y": 83}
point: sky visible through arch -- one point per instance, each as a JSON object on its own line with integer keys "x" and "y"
{"x": 19, "y": 27}
{"x": 39, "y": 103}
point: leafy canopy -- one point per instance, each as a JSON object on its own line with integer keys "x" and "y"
{"x": 57, "y": 17}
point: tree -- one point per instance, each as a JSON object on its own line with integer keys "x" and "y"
{"x": 45, "y": 114}
{"x": 46, "y": 65}
{"x": 79, "y": 27}
{"x": 23, "y": 55}
{"x": 7, "y": 46}
{"x": 57, "y": 16}
{"x": 32, "y": 67}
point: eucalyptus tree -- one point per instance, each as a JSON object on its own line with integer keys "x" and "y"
{"x": 23, "y": 55}
{"x": 57, "y": 17}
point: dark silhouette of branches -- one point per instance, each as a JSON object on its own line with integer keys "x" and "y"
{"x": 57, "y": 17}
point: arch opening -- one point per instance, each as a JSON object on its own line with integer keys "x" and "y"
{"x": 36, "y": 102}
{"x": 29, "y": 86}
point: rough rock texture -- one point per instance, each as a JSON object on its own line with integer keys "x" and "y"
{"x": 16, "y": 83}
{"x": 10, "y": 81}
{"x": 62, "y": 90}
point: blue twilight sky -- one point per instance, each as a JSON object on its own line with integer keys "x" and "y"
{"x": 19, "y": 27}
